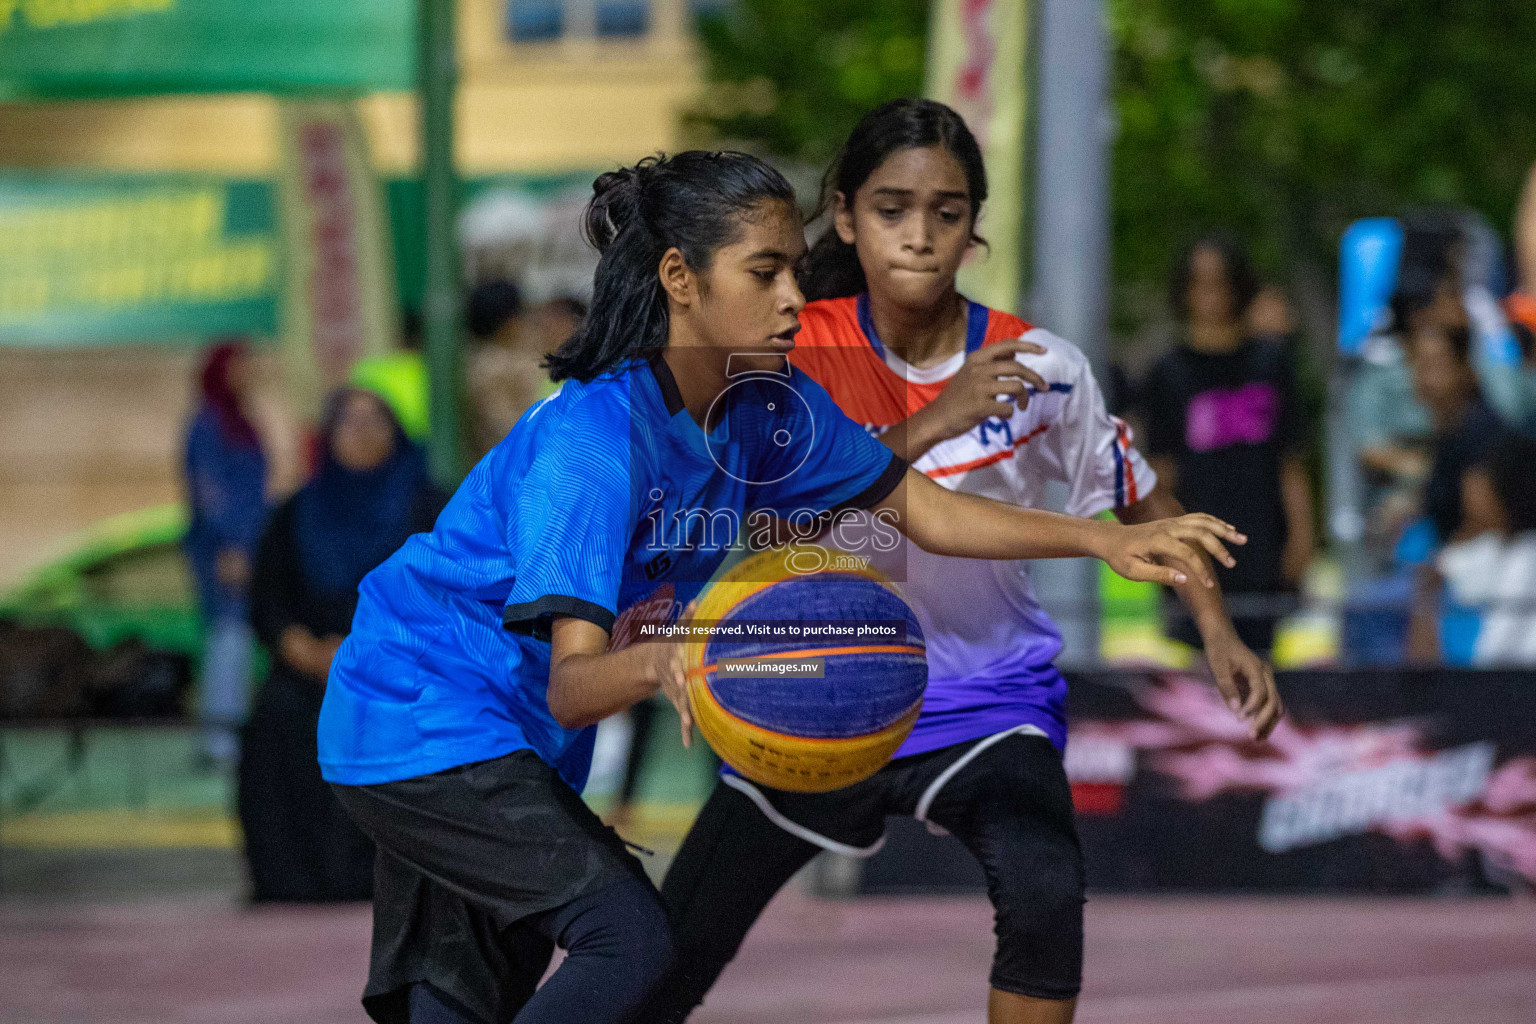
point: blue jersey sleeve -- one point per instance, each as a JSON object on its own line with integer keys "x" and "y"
{"x": 572, "y": 517}
{"x": 821, "y": 460}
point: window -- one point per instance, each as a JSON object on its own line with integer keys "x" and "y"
{"x": 625, "y": 18}
{"x": 535, "y": 21}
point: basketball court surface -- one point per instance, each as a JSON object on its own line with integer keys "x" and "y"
{"x": 1164, "y": 960}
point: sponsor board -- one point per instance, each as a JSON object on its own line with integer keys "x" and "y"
{"x": 1378, "y": 781}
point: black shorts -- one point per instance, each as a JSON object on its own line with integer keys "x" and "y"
{"x": 1009, "y": 804}
{"x": 466, "y": 857}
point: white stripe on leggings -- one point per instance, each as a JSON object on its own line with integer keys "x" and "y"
{"x": 754, "y": 794}
{"x": 926, "y": 800}
{"x": 799, "y": 831}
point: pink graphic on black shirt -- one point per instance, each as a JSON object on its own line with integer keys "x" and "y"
{"x": 1221, "y": 418}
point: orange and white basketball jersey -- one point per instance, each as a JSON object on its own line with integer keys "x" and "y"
{"x": 1064, "y": 434}
{"x": 982, "y": 622}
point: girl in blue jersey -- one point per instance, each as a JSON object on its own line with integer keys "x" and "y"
{"x": 458, "y": 721}
{"x": 898, "y": 348}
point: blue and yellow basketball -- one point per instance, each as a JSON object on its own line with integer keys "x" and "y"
{"x": 808, "y": 735}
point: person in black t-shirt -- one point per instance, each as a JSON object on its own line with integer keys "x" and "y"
{"x": 1465, "y": 428}
{"x": 1225, "y": 432}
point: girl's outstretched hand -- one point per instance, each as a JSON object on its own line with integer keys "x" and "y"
{"x": 1246, "y": 682}
{"x": 1168, "y": 551}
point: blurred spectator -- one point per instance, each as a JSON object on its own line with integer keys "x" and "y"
{"x": 369, "y": 494}
{"x": 492, "y": 311}
{"x": 1454, "y": 259}
{"x": 400, "y": 378}
{"x": 1521, "y": 305}
{"x": 226, "y": 476}
{"x": 1465, "y": 430}
{"x": 1442, "y": 279}
{"x": 1270, "y": 314}
{"x": 1395, "y": 434}
{"x": 1464, "y": 426}
{"x": 506, "y": 373}
{"x": 1273, "y": 315}
{"x": 1522, "y": 314}
{"x": 1225, "y": 433}
{"x": 1390, "y": 428}
{"x": 1495, "y": 349}
{"x": 555, "y": 321}
{"x": 1492, "y": 566}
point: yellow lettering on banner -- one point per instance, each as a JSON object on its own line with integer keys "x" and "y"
{"x": 121, "y": 253}
{"x": 22, "y": 297}
{"x": 120, "y": 286}
{"x": 142, "y": 224}
{"x": 253, "y": 269}
{"x": 205, "y": 276}
{"x": 227, "y": 274}
{"x": 46, "y": 14}
{"x": 204, "y": 215}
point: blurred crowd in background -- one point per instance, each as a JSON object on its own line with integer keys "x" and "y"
{"x": 1433, "y": 417}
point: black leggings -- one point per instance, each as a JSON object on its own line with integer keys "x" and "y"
{"x": 617, "y": 948}
{"x": 482, "y": 870}
{"x": 1011, "y": 806}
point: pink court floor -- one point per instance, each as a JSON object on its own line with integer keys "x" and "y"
{"x": 1173, "y": 960}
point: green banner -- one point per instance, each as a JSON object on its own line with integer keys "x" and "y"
{"x": 141, "y": 258}
{"x": 69, "y": 48}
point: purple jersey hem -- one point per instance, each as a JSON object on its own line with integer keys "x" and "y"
{"x": 961, "y": 710}
{"x": 935, "y": 734}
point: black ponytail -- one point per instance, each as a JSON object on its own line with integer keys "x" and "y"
{"x": 832, "y": 269}
{"x": 695, "y": 201}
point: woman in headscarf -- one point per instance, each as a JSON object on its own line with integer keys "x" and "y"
{"x": 369, "y": 493}
{"x": 226, "y": 474}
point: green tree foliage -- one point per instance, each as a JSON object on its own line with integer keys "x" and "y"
{"x": 1287, "y": 119}
{"x": 793, "y": 77}
{"x": 1281, "y": 119}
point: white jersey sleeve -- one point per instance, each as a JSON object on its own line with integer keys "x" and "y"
{"x": 1090, "y": 449}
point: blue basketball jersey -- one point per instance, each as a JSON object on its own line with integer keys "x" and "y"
{"x": 605, "y": 500}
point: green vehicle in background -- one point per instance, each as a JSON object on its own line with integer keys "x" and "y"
{"x": 99, "y": 749}
{"x": 96, "y": 644}
{"x": 109, "y": 630}
{"x": 124, "y": 578}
